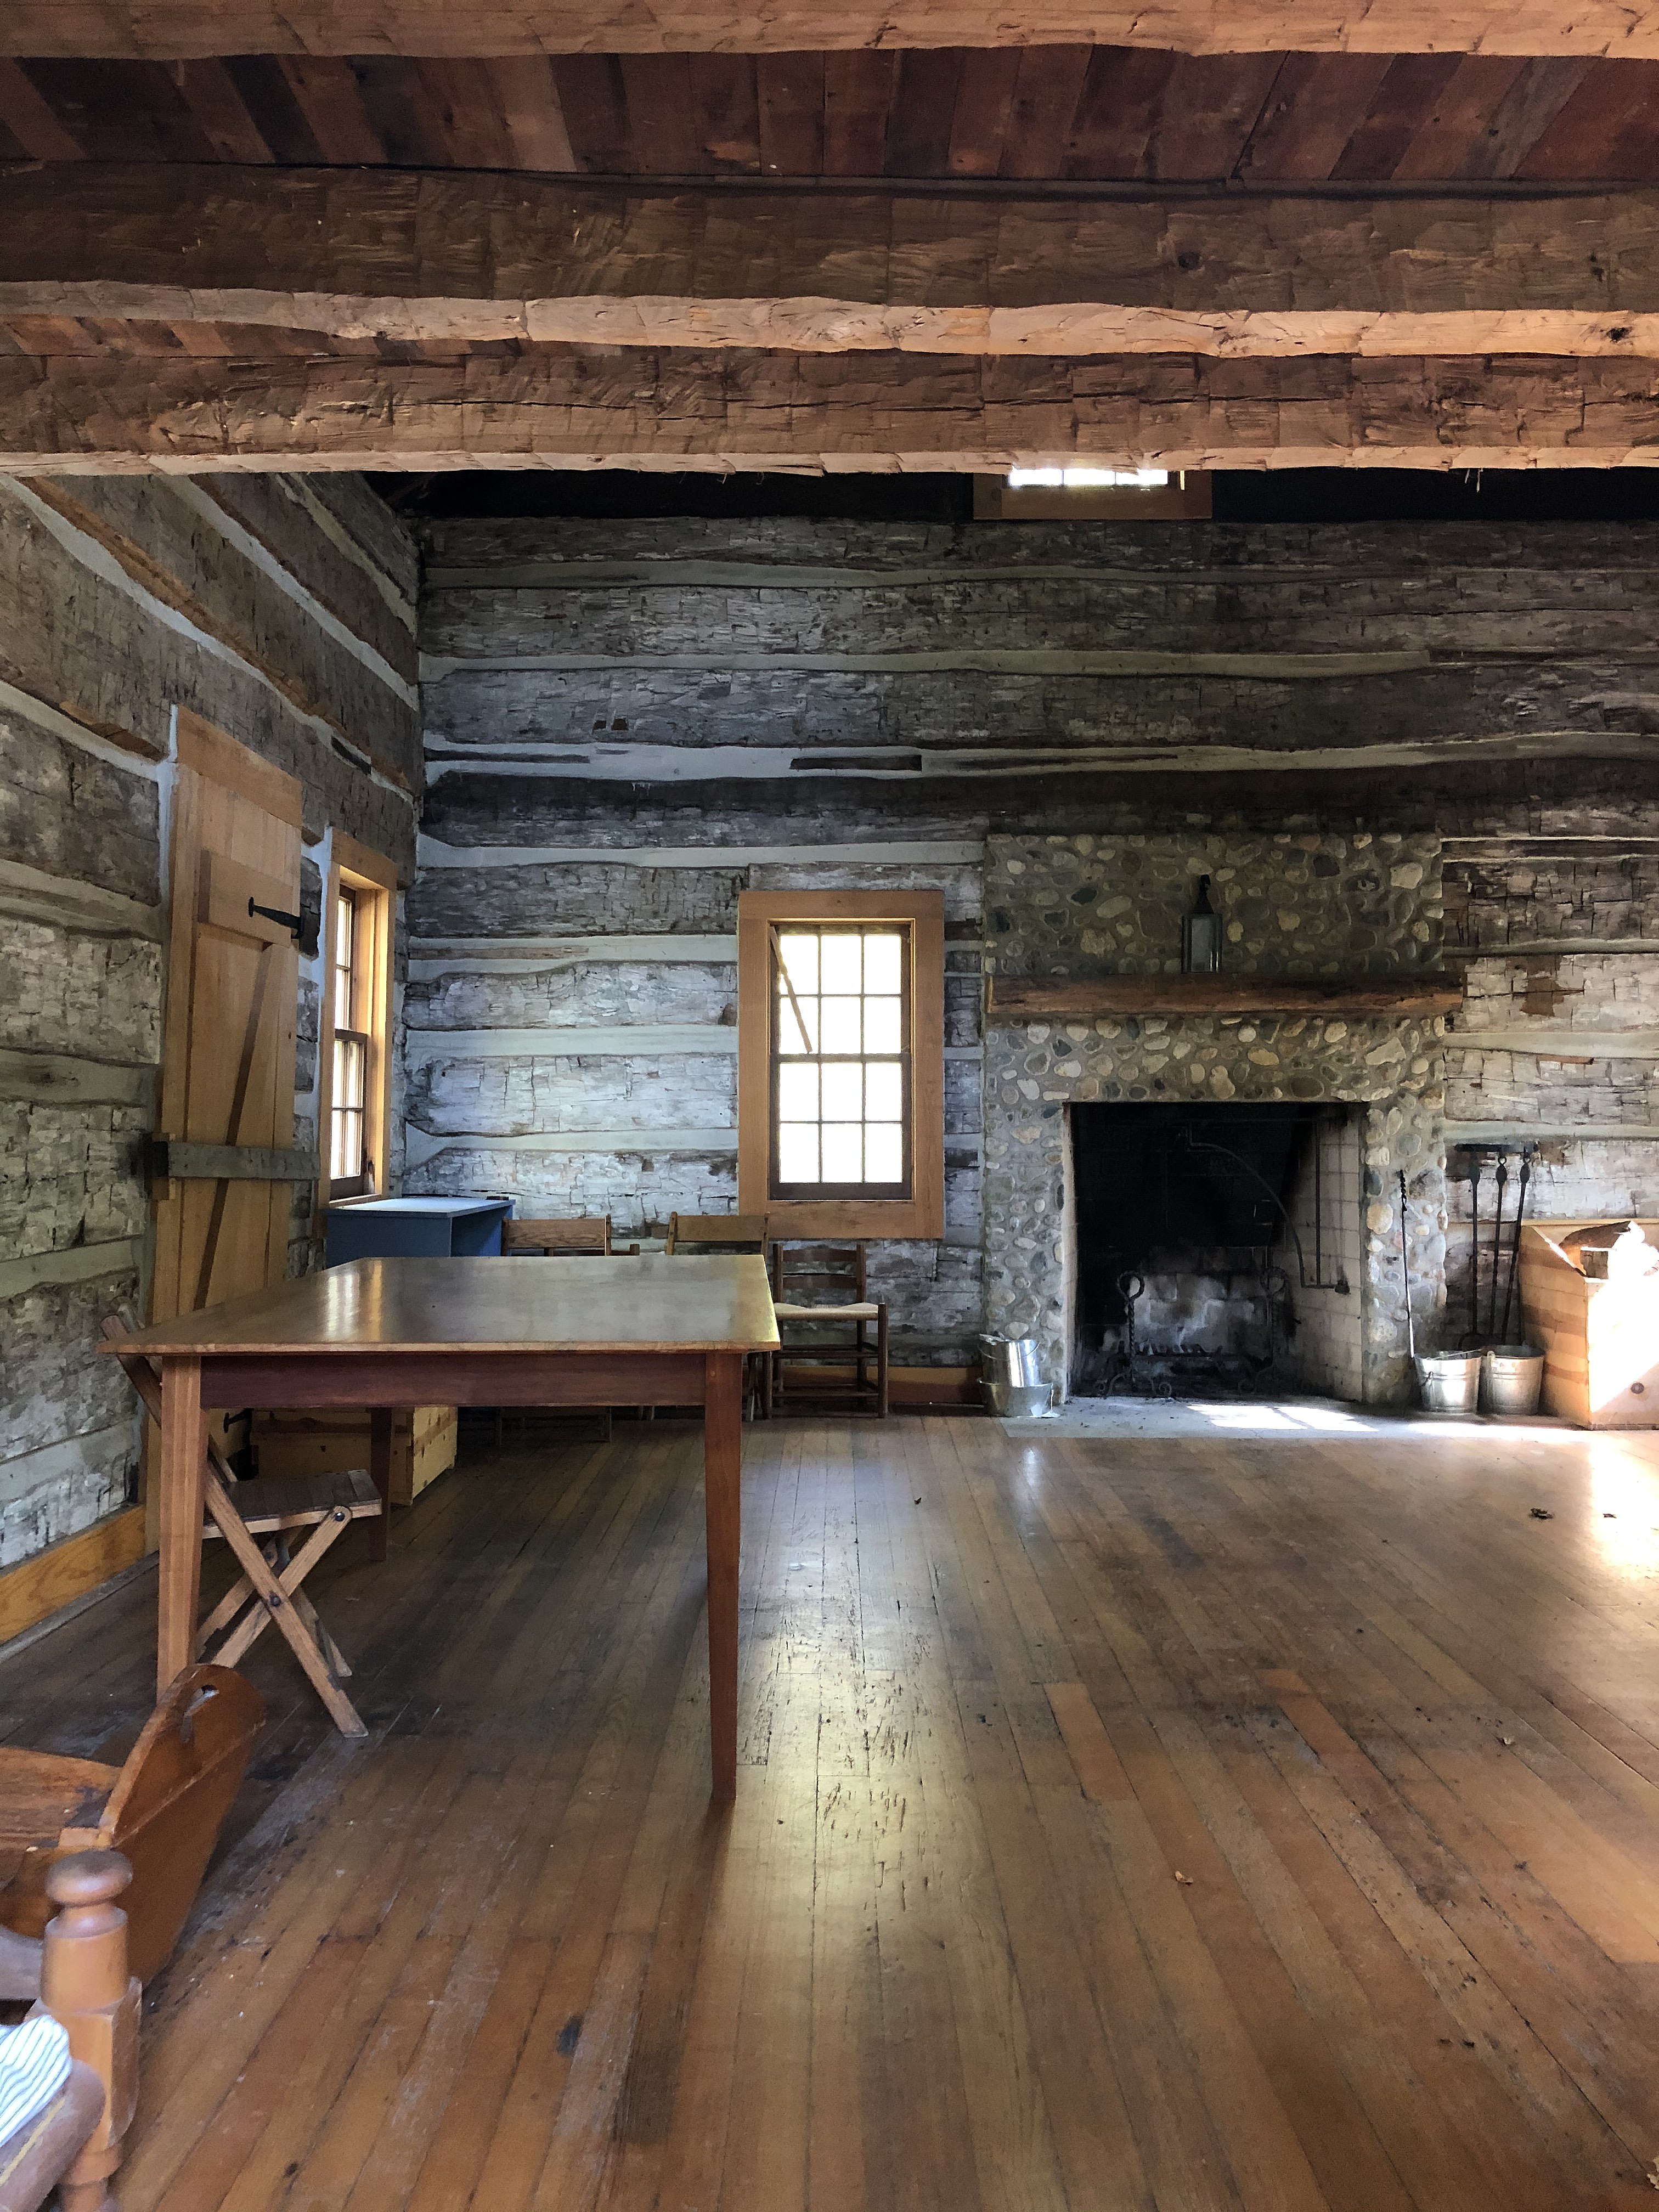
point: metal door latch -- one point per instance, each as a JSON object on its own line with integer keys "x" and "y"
{"x": 293, "y": 923}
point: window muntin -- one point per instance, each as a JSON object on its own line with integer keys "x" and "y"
{"x": 348, "y": 1168}
{"x": 841, "y": 1062}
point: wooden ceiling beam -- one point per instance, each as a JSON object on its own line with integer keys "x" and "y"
{"x": 566, "y": 408}
{"x": 470, "y": 257}
{"x": 172, "y": 30}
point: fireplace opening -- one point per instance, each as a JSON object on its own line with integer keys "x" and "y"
{"x": 1217, "y": 1250}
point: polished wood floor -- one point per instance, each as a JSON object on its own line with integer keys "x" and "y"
{"x": 1187, "y": 1825}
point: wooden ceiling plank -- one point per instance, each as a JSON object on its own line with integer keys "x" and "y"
{"x": 1524, "y": 115}
{"x": 1609, "y": 127}
{"x": 402, "y": 113}
{"x": 1413, "y": 83}
{"x": 527, "y": 97}
{"x": 923, "y": 113}
{"x": 726, "y": 113}
{"x": 207, "y": 89}
{"x": 266, "y": 95}
{"x": 172, "y": 30}
{"x": 120, "y": 111}
{"x": 594, "y": 105}
{"x": 327, "y": 94}
{"x": 32, "y": 119}
{"x": 1206, "y": 112}
{"x": 789, "y": 94}
{"x": 206, "y": 339}
{"x": 858, "y": 106}
{"x": 1111, "y": 134}
{"x": 1462, "y": 121}
{"x": 48, "y": 335}
{"x": 1317, "y": 103}
{"x": 662, "y": 131}
{"x": 1047, "y": 91}
{"x": 632, "y": 407}
{"x": 985, "y": 101}
{"x": 468, "y": 101}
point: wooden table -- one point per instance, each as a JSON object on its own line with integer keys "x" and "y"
{"x": 388, "y": 1334}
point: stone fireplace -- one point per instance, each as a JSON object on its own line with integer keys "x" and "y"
{"x": 1348, "y": 908}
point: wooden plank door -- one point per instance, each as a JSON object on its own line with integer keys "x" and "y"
{"x": 232, "y": 981}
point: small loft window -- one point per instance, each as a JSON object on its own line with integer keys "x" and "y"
{"x": 1082, "y": 479}
{"x": 1091, "y": 491}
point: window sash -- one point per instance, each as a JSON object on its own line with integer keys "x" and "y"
{"x": 349, "y": 1112}
{"x": 780, "y": 1187}
{"x": 346, "y": 980}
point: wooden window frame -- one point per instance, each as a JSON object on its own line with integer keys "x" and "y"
{"x": 921, "y": 1214}
{"x": 374, "y": 880}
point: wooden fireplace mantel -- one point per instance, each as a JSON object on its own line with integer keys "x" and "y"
{"x": 1060, "y": 997}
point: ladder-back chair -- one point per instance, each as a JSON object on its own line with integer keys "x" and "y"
{"x": 716, "y": 1232}
{"x": 556, "y": 1238}
{"x": 258, "y": 1520}
{"x": 725, "y": 1232}
{"x": 821, "y": 1288}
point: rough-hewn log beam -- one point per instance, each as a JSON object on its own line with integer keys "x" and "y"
{"x": 565, "y": 408}
{"x": 172, "y": 29}
{"x": 1012, "y": 999}
{"x": 470, "y": 258}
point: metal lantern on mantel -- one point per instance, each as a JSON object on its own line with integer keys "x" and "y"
{"x": 1200, "y": 935}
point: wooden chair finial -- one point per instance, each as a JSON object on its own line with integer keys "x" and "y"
{"x": 83, "y": 1880}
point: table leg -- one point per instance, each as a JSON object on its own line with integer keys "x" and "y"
{"x": 722, "y": 1468}
{"x": 179, "y": 1474}
{"x": 380, "y": 1469}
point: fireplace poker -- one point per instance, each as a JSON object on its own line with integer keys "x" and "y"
{"x": 1496, "y": 1248}
{"x": 1473, "y": 1336}
{"x": 1405, "y": 1272}
{"x": 1515, "y": 1241}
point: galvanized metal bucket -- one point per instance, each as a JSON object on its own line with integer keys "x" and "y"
{"x": 1010, "y": 1378}
{"x": 1513, "y": 1378}
{"x": 1449, "y": 1381}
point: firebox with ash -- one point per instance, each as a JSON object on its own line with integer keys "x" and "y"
{"x": 1215, "y": 1245}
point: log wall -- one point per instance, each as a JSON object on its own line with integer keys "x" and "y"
{"x": 283, "y": 610}
{"x": 627, "y": 723}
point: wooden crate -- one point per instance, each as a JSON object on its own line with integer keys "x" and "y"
{"x": 424, "y": 1444}
{"x": 1601, "y": 1338}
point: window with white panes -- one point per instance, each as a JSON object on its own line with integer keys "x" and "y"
{"x": 841, "y": 1060}
{"x": 347, "y": 1166}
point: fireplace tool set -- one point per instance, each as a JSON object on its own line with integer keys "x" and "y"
{"x": 1509, "y": 1374}
{"x": 1505, "y": 1250}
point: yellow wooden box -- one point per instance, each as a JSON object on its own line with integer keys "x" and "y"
{"x": 1601, "y": 1340}
{"x": 424, "y": 1444}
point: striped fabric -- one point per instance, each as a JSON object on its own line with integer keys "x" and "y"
{"x": 34, "y": 2064}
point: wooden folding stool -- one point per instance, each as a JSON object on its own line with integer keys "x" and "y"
{"x": 268, "y": 1587}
